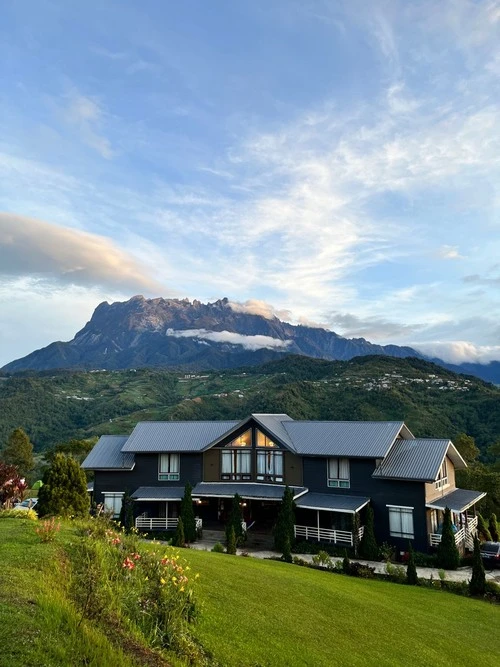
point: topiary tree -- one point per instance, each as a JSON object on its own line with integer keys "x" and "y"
{"x": 64, "y": 490}
{"x": 493, "y": 527}
{"x": 411, "y": 569}
{"x": 187, "y": 514}
{"x": 179, "y": 539}
{"x": 482, "y": 529}
{"x": 235, "y": 522}
{"x": 284, "y": 528}
{"x": 287, "y": 551}
{"x": 18, "y": 452}
{"x": 231, "y": 541}
{"x": 127, "y": 512}
{"x": 368, "y": 548}
{"x": 448, "y": 557}
{"x": 477, "y": 584}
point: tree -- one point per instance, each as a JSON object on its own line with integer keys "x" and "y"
{"x": 235, "y": 521}
{"x": 231, "y": 541}
{"x": 346, "y": 563}
{"x": 179, "y": 537}
{"x": 64, "y": 490}
{"x": 187, "y": 514}
{"x": 12, "y": 486}
{"x": 477, "y": 584}
{"x": 19, "y": 452}
{"x": 284, "y": 528}
{"x": 127, "y": 512}
{"x": 287, "y": 551}
{"x": 493, "y": 527}
{"x": 482, "y": 528}
{"x": 467, "y": 447}
{"x": 448, "y": 557}
{"x": 76, "y": 448}
{"x": 368, "y": 548}
{"x": 411, "y": 569}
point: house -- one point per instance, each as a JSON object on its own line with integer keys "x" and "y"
{"x": 335, "y": 470}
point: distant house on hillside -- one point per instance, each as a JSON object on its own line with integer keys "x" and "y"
{"x": 335, "y": 469}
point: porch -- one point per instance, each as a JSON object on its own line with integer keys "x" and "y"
{"x": 144, "y": 522}
{"x": 462, "y": 505}
{"x": 329, "y": 518}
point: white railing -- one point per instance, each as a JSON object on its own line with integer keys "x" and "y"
{"x": 156, "y": 523}
{"x": 465, "y": 534}
{"x": 324, "y": 534}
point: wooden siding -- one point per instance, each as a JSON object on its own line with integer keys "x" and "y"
{"x": 293, "y": 469}
{"x": 431, "y": 493}
{"x": 211, "y": 465}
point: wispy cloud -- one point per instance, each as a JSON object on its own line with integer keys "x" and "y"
{"x": 248, "y": 342}
{"x": 87, "y": 116}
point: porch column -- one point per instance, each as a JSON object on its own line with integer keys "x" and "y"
{"x": 317, "y": 521}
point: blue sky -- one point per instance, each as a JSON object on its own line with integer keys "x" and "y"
{"x": 333, "y": 162}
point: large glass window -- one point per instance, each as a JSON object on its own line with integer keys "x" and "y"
{"x": 338, "y": 473}
{"x": 243, "y": 440}
{"x": 168, "y": 467}
{"x": 113, "y": 503}
{"x": 401, "y": 521}
{"x": 442, "y": 478}
{"x": 270, "y": 466}
{"x": 264, "y": 441}
{"x": 236, "y": 464}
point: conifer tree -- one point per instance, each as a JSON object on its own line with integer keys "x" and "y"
{"x": 482, "y": 529}
{"x": 346, "y": 563}
{"x": 235, "y": 521}
{"x": 18, "y": 452}
{"x": 477, "y": 584}
{"x": 127, "y": 512}
{"x": 64, "y": 490}
{"x": 285, "y": 523}
{"x": 179, "y": 537}
{"x": 187, "y": 514}
{"x": 231, "y": 541}
{"x": 368, "y": 548}
{"x": 287, "y": 551}
{"x": 493, "y": 527}
{"x": 411, "y": 569}
{"x": 448, "y": 557}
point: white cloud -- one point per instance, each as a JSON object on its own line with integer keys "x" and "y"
{"x": 460, "y": 351}
{"x": 449, "y": 252}
{"x": 87, "y": 116}
{"x": 262, "y": 308}
{"x": 248, "y": 342}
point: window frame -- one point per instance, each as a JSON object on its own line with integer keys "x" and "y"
{"x": 169, "y": 475}
{"x": 113, "y": 495}
{"x": 237, "y": 455}
{"x": 338, "y": 482}
{"x": 442, "y": 477}
{"x": 400, "y": 510}
{"x": 271, "y": 454}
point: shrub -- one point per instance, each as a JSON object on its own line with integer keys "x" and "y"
{"x": 386, "y": 551}
{"x": 361, "y": 570}
{"x": 231, "y": 542}
{"x": 493, "y": 527}
{"x": 323, "y": 559}
{"x": 48, "y": 529}
{"x": 477, "y": 584}
{"x": 424, "y": 560}
{"x": 411, "y": 569}
{"x": 482, "y": 530}
{"x": 31, "y": 515}
{"x": 305, "y": 547}
{"x": 179, "y": 537}
{"x": 447, "y": 552}
{"x": 64, "y": 490}
{"x": 300, "y": 561}
{"x": 395, "y": 573}
{"x": 284, "y": 528}
{"x": 368, "y": 548}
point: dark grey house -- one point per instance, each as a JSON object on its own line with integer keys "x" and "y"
{"x": 335, "y": 469}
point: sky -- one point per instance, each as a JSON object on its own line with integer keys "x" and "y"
{"x": 336, "y": 163}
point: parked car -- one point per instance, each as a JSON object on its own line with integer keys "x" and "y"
{"x": 490, "y": 553}
{"x": 28, "y": 504}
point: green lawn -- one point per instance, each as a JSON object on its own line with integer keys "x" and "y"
{"x": 265, "y": 613}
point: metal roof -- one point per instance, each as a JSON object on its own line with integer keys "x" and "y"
{"x": 158, "y": 493}
{"x": 191, "y": 436}
{"x": 107, "y": 454}
{"x": 457, "y": 501}
{"x": 274, "y": 424}
{"x": 350, "y": 439}
{"x": 418, "y": 459}
{"x": 332, "y": 502}
{"x": 245, "y": 490}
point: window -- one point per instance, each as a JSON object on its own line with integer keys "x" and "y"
{"x": 338, "y": 473}
{"x": 113, "y": 503}
{"x": 236, "y": 464}
{"x": 264, "y": 441}
{"x": 243, "y": 440}
{"x": 168, "y": 467}
{"x": 401, "y": 521}
{"x": 442, "y": 478}
{"x": 270, "y": 466}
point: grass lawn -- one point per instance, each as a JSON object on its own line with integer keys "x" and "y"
{"x": 264, "y": 613}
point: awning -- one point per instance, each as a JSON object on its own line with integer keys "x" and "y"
{"x": 158, "y": 493}
{"x": 332, "y": 502}
{"x": 457, "y": 501}
{"x": 249, "y": 490}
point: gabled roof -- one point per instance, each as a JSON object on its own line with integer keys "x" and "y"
{"x": 107, "y": 454}
{"x": 349, "y": 439}
{"x": 419, "y": 459}
{"x": 273, "y": 423}
{"x": 457, "y": 501}
{"x": 193, "y": 436}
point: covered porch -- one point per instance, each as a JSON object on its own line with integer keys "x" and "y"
{"x": 329, "y": 518}
{"x": 462, "y": 505}
{"x": 157, "y": 508}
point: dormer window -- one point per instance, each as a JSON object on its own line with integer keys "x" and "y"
{"x": 168, "y": 467}
{"x": 442, "y": 478}
{"x": 338, "y": 473}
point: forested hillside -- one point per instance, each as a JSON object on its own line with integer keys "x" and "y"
{"x": 433, "y": 402}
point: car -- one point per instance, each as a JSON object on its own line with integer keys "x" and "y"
{"x": 28, "y": 504}
{"x": 490, "y": 554}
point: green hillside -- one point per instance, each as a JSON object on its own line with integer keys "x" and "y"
{"x": 433, "y": 401}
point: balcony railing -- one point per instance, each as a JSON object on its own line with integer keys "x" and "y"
{"x": 465, "y": 534}
{"x": 327, "y": 534}
{"x": 143, "y": 522}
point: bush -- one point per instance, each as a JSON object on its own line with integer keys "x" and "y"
{"x": 300, "y": 561}
{"x": 386, "y": 551}
{"x": 159, "y": 535}
{"x": 323, "y": 559}
{"x": 493, "y": 527}
{"x": 48, "y": 529}
{"x": 31, "y": 515}
{"x": 361, "y": 570}
{"x": 395, "y": 573}
{"x": 64, "y": 490}
{"x": 482, "y": 529}
{"x": 424, "y": 560}
{"x": 447, "y": 552}
{"x": 218, "y": 548}
{"x": 305, "y": 547}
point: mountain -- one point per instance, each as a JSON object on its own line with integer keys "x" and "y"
{"x": 193, "y": 335}
{"x": 178, "y": 333}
